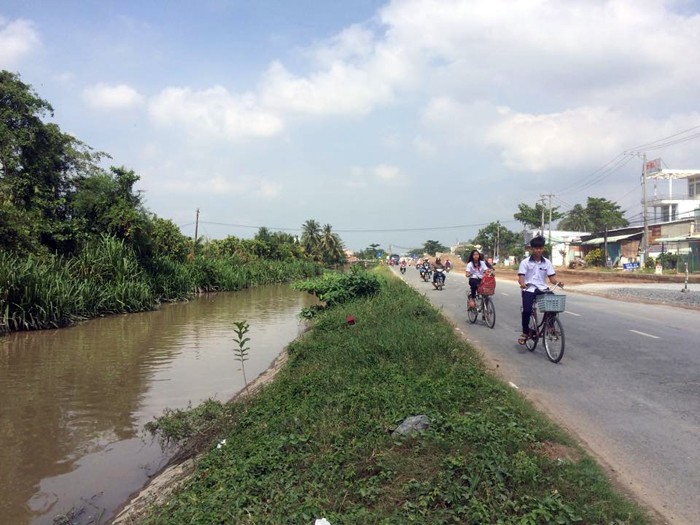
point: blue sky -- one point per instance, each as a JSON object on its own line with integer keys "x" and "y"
{"x": 394, "y": 121}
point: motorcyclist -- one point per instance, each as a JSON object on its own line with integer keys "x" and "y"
{"x": 438, "y": 266}
{"x": 448, "y": 265}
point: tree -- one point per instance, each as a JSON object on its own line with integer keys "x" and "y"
{"x": 598, "y": 215}
{"x": 604, "y": 214}
{"x": 577, "y": 220}
{"x": 311, "y": 238}
{"x": 39, "y": 166}
{"x": 331, "y": 247}
{"x": 532, "y": 217}
{"x": 432, "y": 247}
{"x": 496, "y": 234}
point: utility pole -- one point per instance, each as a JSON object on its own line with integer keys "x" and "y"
{"x": 196, "y": 229}
{"x": 550, "y": 195}
{"x": 498, "y": 240}
{"x": 542, "y": 220}
{"x": 645, "y": 238}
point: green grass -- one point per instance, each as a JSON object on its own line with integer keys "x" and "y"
{"x": 317, "y": 442}
{"x": 106, "y": 277}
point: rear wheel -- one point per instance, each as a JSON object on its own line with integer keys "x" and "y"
{"x": 489, "y": 312}
{"x": 553, "y": 338}
{"x": 472, "y": 313}
{"x": 531, "y": 342}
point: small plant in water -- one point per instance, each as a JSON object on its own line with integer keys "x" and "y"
{"x": 241, "y": 340}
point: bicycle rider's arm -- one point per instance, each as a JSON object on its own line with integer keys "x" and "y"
{"x": 521, "y": 281}
{"x": 555, "y": 281}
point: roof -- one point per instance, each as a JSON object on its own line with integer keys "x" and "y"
{"x": 678, "y": 238}
{"x": 612, "y": 238}
{"x": 673, "y": 174}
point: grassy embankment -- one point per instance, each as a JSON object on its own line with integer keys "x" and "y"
{"x": 317, "y": 441}
{"x": 106, "y": 277}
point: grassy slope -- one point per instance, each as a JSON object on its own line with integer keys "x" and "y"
{"x": 317, "y": 442}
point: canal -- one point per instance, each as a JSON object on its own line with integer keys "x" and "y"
{"x": 73, "y": 402}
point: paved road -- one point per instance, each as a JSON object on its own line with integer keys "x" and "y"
{"x": 628, "y": 385}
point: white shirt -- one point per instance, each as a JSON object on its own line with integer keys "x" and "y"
{"x": 536, "y": 272}
{"x": 476, "y": 272}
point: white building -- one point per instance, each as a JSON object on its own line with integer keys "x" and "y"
{"x": 674, "y": 195}
{"x": 562, "y": 250}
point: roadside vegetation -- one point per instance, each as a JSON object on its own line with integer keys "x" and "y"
{"x": 76, "y": 240}
{"x": 317, "y": 441}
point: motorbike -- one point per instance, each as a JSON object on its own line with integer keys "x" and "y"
{"x": 403, "y": 269}
{"x": 439, "y": 280}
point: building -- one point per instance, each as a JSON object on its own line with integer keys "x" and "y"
{"x": 566, "y": 245}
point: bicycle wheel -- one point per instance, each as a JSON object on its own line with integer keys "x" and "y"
{"x": 489, "y": 312}
{"x": 472, "y": 313}
{"x": 553, "y": 338}
{"x": 531, "y": 342}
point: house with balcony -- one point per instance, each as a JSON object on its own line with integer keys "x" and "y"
{"x": 675, "y": 195}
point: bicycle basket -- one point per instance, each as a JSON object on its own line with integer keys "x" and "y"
{"x": 487, "y": 286}
{"x": 551, "y": 303}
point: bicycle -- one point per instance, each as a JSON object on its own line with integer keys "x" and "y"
{"x": 483, "y": 304}
{"x": 550, "y": 329}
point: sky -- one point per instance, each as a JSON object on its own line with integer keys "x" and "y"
{"x": 396, "y": 122}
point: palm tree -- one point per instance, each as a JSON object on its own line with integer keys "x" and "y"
{"x": 311, "y": 237}
{"x": 331, "y": 246}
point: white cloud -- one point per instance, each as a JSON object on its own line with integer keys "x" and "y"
{"x": 214, "y": 114}
{"x": 539, "y": 142}
{"x": 365, "y": 176}
{"x": 386, "y": 172}
{"x": 104, "y": 97}
{"x": 342, "y": 89}
{"x": 221, "y": 185}
{"x": 18, "y": 39}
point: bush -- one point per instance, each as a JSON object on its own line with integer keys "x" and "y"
{"x": 669, "y": 261}
{"x": 335, "y": 288}
{"x": 595, "y": 257}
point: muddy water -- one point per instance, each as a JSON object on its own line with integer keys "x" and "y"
{"x": 73, "y": 402}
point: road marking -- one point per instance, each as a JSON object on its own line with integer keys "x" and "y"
{"x": 503, "y": 293}
{"x": 571, "y": 313}
{"x": 645, "y": 335}
{"x": 513, "y": 385}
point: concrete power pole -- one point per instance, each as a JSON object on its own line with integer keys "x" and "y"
{"x": 549, "y": 195}
{"x": 645, "y": 238}
{"x": 196, "y": 229}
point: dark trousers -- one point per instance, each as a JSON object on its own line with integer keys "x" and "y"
{"x": 474, "y": 283}
{"x": 528, "y": 301}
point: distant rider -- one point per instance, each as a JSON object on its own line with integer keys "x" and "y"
{"x": 438, "y": 265}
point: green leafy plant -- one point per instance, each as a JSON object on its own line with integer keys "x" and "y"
{"x": 242, "y": 328}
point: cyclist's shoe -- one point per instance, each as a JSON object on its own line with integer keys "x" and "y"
{"x": 472, "y": 303}
{"x": 522, "y": 339}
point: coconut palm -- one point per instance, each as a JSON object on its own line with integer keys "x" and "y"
{"x": 331, "y": 246}
{"x": 311, "y": 237}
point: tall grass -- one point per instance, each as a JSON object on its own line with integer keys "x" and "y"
{"x": 106, "y": 277}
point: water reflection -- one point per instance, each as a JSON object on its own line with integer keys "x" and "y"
{"x": 73, "y": 401}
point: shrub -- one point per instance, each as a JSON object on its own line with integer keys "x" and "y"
{"x": 595, "y": 257}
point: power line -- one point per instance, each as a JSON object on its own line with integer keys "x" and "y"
{"x": 384, "y": 230}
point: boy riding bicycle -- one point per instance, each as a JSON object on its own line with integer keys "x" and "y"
{"x": 532, "y": 275}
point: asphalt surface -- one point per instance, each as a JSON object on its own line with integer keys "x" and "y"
{"x": 628, "y": 385}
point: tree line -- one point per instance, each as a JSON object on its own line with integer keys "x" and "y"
{"x": 76, "y": 239}
{"x": 597, "y": 215}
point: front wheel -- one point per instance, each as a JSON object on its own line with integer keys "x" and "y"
{"x": 472, "y": 313}
{"x": 531, "y": 341}
{"x": 489, "y": 312}
{"x": 554, "y": 339}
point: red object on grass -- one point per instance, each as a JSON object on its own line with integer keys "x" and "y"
{"x": 350, "y": 319}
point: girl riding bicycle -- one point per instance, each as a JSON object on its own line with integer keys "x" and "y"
{"x": 475, "y": 273}
{"x": 531, "y": 276}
